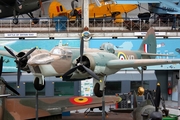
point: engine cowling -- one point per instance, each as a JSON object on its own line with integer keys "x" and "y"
{"x": 23, "y": 64}
{"x": 95, "y": 61}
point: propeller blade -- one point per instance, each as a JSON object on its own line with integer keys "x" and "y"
{"x": 158, "y": 96}
{"x": 134, "y": 100}
{"x": 9, "y": 87}
{"x": 2, "y": 79}
{"x": 1, "y": 65}
{"x": 18, "y": 75}
{"x": 28, "y": 53}
{"x": 81, "y": 49}
{"x": 70, "y": 71}
{"x": 10, "y": 52}
{"x": 91, "y": 72}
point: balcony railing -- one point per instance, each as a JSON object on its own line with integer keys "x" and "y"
{"x": 95, "y": 25}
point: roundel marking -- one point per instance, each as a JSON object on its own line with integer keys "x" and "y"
{"x": 80, "y": 100}
{"x": 122, "y": 56}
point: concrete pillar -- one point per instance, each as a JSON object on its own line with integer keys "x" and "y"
{"x": 77, "y": 88}
{"x": 125, "y": 86}
{"x": 49, "y": 88}
{"x": 85, "y": 13}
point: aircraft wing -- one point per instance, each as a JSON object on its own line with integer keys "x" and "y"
{"x": 5, "y": 95}
{"x": 25, "y": 107}
{"x": 5, "y": 53}
{"x": 136, "y": 1}
{"x": 119, "y": 64}
{"x": 166, "y": 3}
{"x": 145, "y": 1}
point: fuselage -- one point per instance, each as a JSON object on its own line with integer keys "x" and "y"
{"x": 27, "y": 7}
{"x": 61, "y": 59}
{"x": 160, "y": 8}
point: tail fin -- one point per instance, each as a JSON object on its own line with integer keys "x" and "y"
{"x": 149, "y": 43}
{"x": 55, "y": 9}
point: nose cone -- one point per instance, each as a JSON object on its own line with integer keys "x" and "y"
{"x": 40, "y": 59}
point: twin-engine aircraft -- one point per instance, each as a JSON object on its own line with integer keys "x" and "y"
{"x": 48, "y": 107}
{"x": 157, "y": 6}
{"x": 73, "y": 64}
{"x": 15, "y": 8}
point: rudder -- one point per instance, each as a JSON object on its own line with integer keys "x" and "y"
{"x": 149, "y": 44}
{"x": 55, "y": 9}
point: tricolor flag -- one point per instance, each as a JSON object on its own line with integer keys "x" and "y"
{"x": 146, "y": 48}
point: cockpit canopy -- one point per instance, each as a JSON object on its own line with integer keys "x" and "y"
{"x": 109, "y": 47}
{"x": 59, "y": 50}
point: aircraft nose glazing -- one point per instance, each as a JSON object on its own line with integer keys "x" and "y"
{"x": 40, "y": 59}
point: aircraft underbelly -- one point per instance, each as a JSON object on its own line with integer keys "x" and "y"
{"x": 47, "y": 70}
{"x": 4, "y": 12}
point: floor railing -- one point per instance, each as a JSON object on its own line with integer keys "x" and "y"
{"x": 95, "y": 25}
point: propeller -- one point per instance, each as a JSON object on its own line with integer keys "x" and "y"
{"x": 157, "y": 97}
{"x": 81, "y": 65}
{"x": 19, "y": 61}
{"x": 156, "y": 115}
{"x": 134, "y": 100}
{"x": 2, "y": 79}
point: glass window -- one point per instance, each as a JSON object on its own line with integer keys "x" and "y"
{"x": 13, "y": 85}
{"x": 31, "y": 91}
{"x": 136, "y": 84}
{"x": 57, "y": 51}
{"x": 63, "y": 88}
{"x": 112, "y": 88}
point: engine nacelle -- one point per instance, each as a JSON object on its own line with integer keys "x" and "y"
{"x": 96, "y": 61}
{"x": 23, "y": 64}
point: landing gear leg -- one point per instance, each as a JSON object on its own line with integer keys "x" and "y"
{"x": 15, "y": 20}
{"x": 98, "y": 87}
{"x": 34, "y": 20}
{"x": 99, "y": 91}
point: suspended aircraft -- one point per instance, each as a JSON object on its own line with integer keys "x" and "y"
{"x": 103, "y": 9}
{"x": 73, "y": 64}
{"x": 157, "y": 6}
{"x": 15, "y": 8}
{"x": 17, "y": 108}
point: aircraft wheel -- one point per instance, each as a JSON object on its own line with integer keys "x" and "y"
{"x": 38, "y": 86}
{"x": 97, "y": 91}
{"x": 35, "y": 20}
{"x": 15, "y": 21}
{"x": 144, "y": 67}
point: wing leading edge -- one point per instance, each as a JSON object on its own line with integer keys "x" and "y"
{"x": 119, "y": 64}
